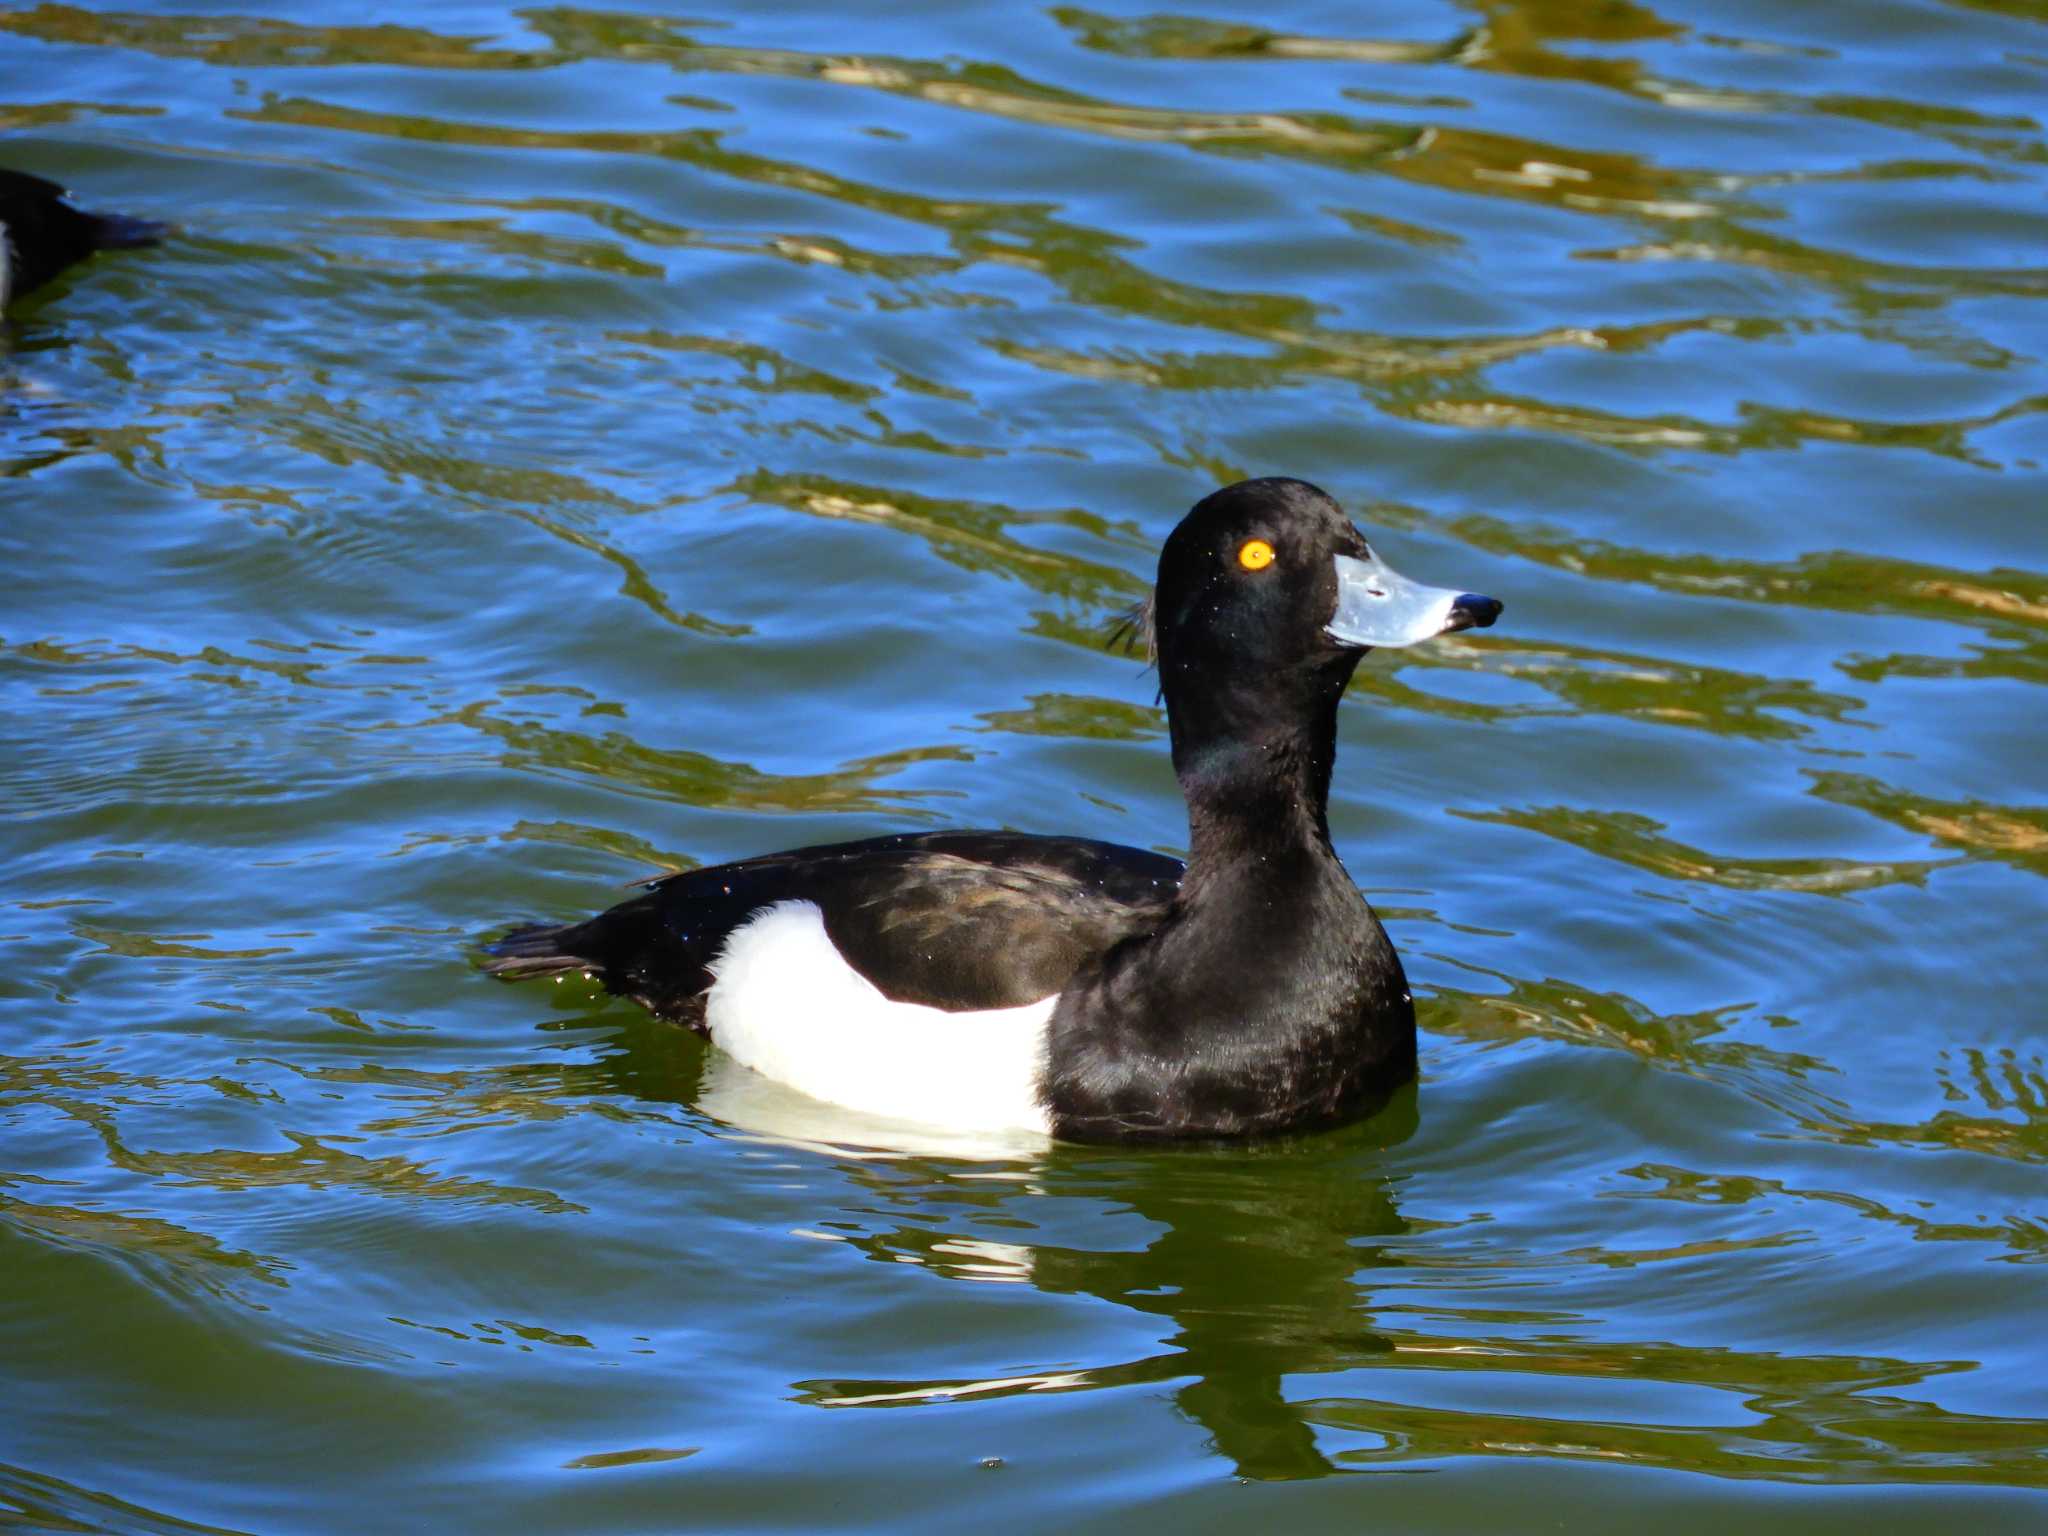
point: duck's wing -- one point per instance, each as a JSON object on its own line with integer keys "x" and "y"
{"x": 961, "y": 921}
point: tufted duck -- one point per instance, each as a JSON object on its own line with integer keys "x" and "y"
{"x": 999, "y": 981}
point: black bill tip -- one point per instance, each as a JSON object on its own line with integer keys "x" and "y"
{"x": 1471, "y": 611}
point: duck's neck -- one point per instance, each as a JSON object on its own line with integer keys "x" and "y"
{"x": 1269, "y": 986}
{"x": 1255, "y": 807}
{"x": 1257, "y": 783}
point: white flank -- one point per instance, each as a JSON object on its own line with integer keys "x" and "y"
{"x": 758, "y": 1109}
{"x": 788, "y": 1005}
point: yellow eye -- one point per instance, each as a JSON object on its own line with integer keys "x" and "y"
{"x": 1256, "y": 555}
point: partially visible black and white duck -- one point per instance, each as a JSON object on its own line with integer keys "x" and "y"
{"x": 995, "y": 981}
{"x": 41, "y": 234}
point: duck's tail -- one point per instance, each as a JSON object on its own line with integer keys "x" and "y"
{"x": 539, "y": 949}
{"x": 119, "y": 232}
{"x": 631, "y": 949}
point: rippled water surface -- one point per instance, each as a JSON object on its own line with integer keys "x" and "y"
{"x": 561, "y": 443}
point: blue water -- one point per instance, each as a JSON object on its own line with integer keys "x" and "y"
{"x": 560, "y": 445}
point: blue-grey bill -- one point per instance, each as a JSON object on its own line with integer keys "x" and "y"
{"x": 1377, "y": 605}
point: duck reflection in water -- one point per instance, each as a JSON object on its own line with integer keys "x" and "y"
{"x": 1253, "y": 1261}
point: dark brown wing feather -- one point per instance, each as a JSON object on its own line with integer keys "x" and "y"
{"x": 955, "y": 920}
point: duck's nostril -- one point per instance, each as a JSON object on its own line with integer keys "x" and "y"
{"x": 1471, "y": 611}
